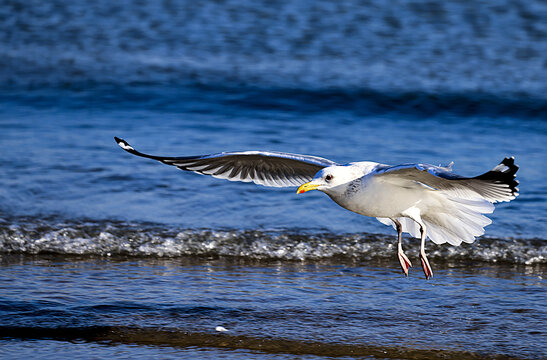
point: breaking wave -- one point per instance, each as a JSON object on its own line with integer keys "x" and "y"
{"x": 97, "y": 238}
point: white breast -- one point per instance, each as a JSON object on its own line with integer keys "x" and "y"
{"x": 372, "y": 196}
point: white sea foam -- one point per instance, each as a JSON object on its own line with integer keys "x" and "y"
{"x": 133, "y": 239}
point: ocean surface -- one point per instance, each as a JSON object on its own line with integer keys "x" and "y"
{"x": 103, "y": 254}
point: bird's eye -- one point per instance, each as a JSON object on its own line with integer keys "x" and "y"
{"x": 328, "y": 177}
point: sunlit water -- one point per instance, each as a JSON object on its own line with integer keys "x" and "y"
{"x": 107, "y": 254}
{"x": 487, "y": 309}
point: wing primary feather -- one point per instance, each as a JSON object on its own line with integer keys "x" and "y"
{"x": 235, "y": 170}
{"x": 245, "y": 172}
{"x": 261, "y": 167}
{"x": 223, "y": 169}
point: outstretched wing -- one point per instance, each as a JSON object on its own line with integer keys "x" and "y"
{"x": 496, "y": 185}
{"x": 266, "y": 168}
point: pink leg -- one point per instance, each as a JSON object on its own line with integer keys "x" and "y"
{"x": 403, "y": 260}
{"x": 423, "y": 257}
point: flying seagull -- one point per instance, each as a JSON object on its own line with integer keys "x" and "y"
{"x": 420, "y": 199}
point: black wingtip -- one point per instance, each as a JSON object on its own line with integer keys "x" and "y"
{"x": 511, "y": 174}
{"x": 512, "y": 167}
{"x": 510, "y": 162}
{"x": 124, "y": 144}
{"x": 120, "y": 141}
{"x": 505, "y": 174}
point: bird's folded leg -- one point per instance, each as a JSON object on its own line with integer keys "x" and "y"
{"x": 403, "y": 260}
{"x": 423, "y": 257}
{"x": 425, "y": 265}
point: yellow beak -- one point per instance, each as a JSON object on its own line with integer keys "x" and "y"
{"x": 306, "y": 187}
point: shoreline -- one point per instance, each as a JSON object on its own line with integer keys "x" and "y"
{"x": 118, "y": 335}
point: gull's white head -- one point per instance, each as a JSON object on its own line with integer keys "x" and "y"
{"x": 332, "y": 178}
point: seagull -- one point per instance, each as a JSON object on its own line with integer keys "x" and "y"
{"x": 423, "y": 200}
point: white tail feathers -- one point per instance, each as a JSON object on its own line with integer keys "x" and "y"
{"x": 459, "y": 221}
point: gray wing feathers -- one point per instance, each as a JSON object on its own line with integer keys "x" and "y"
{"x": 266, "y": 168}
{"x": 497, "y": 185}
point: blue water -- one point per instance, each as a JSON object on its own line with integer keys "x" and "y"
{"x": 105, "y": 253}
